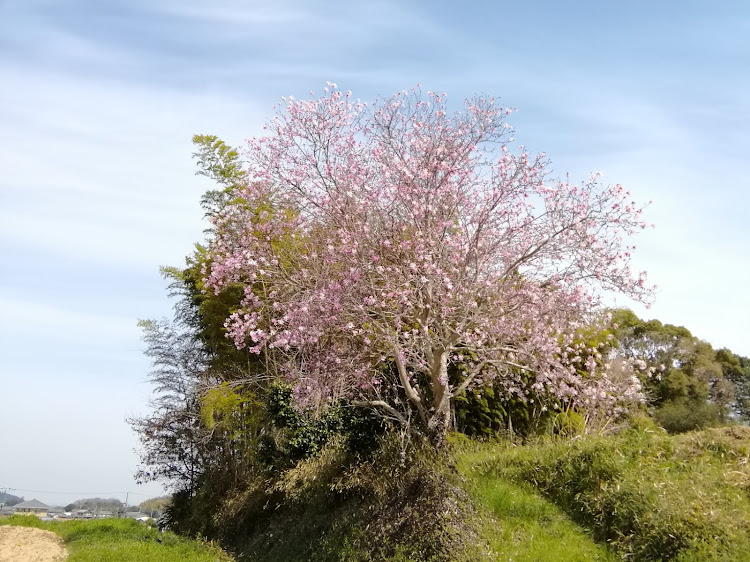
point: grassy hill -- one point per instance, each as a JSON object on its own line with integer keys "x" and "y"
{"x": 646, "y": 495}
{"x": 641, "y": 495}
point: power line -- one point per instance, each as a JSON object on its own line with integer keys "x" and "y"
{"x": 75, "y": 493}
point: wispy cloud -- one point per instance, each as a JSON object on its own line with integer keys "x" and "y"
{"x": 21, "y": 315}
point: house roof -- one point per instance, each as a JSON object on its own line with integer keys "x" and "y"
{"x": 31, "y": 504}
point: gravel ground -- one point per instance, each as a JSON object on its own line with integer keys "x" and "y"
{"x": 24, "y": 544}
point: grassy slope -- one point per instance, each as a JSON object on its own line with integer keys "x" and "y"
{"x": 122, "y": 540}
{"x": 521, "y": 525}
{"x": 527, "y": 528}
{"x": 648, "y": 495}
{"x": 328, "y": 510}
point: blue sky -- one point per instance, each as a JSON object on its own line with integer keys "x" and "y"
{"x": 99, "y": 100}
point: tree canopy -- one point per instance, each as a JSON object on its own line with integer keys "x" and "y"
{"x": 379, "y": 244}
{"x": 693, "y": 385}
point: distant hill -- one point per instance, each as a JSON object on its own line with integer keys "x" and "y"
{"x": 9, "y": 499}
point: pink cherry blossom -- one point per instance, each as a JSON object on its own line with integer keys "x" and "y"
{"x": 398, "y": 240}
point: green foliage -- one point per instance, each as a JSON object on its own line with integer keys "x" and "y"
{"x": 568, "y": 424}
{"x": 122, "y": 540}
{"x": 230, "y": 409}
{"x": 155, "y": 506}
{"x": 301, "y": 435}
{"x": 736, "y": 369}
{"x": 284, "y": 437}
{"x": 481, "y": 414}
{"x": 219, "y": 162}
{"x": 693, "y": 385}
{"x": 489, "y": 412}
{"x": 679, "y": 416}
{"x": 400, "y": 504}
{"x": 279, "y": 404}
{"x": 651, "y": 496}
{"x": 206, "y": 313}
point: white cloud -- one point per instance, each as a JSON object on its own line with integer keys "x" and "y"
{"x": 36, "y": 319}
{"x": 102, "y": 171}
{"x": 235, "y": 12}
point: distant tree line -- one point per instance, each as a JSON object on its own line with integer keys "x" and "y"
{"x": 154, "y": 507}
{"x": 97, "y": 504}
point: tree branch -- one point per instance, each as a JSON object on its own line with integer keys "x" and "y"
{"x": 411, "y": 394}
{"x": 385, "y": 406}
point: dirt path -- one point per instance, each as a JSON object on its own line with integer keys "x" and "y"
{"x": 24, "y": 544}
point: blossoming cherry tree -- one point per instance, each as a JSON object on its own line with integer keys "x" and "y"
{"x": 384, "y": 246}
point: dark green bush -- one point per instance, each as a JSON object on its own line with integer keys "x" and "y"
{"x": 398, "y": 504}
{"x": 681, "y": 416}
{"x": 301, "y": 435}
{"x": 489, "y": 411}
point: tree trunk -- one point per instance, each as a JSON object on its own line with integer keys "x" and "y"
{"x": 439, "y": 422}
{"x": 437, "y": 428}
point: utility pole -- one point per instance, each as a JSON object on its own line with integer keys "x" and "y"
{"x": 127, "y": 494}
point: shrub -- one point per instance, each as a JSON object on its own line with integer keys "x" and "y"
{"x": 682, "y": 416}
{"x": 300, "y": 435}
{"x": 397, "y": 502}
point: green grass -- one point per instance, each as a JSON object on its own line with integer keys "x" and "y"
{"x": 648, "y": 495}
{"x": 122, "y": 540}
{"x": 528, "y": 528}
{"x": 522, "y": 526}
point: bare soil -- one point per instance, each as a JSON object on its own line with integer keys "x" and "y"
{"x": 25, "y": 544}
